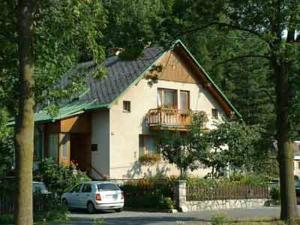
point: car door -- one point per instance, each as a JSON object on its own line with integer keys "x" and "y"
{"x": 74, "y": 196}
{"x": 85, "y": 195}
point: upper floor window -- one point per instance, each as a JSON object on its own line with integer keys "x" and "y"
{"x": 167, "y": 98}
{"x": 126, "y": 106}
{"x": 184, "y": 100}
{"x": 215, "y": 113}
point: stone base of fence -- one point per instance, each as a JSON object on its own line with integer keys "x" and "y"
{"x": 223, "y": 204}
{"x": 183, "y": 205}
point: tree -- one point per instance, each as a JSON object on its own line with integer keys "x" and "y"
{"x": 50, "y": 36}
{"x": 265, "y": 22}
{"x": 182, "y": 148}
{"x": 230, "y": 144}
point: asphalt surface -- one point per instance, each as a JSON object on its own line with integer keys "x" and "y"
{"x": 158, "y": 218}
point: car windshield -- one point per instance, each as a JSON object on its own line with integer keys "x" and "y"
{"x": 107, "y": 187}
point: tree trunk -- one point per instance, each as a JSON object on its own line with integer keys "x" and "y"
{"x": 25, "y": 117}
{"x": 285, "y": 148}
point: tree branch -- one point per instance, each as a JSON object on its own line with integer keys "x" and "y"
{"x": 242, "y": 57}
{"x": 232, "y": 26}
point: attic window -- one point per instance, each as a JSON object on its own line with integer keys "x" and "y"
{"x": 126, "y": 106}
{"x": 215, "y": 113}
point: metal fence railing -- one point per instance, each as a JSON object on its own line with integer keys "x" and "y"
{"x": 226, "y": 192}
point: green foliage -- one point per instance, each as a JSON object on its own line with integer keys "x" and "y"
{"x": 6, "y": 144}
{"x": 219, "y": 219}
{"x": 149, "y": 193}
{"x": 6, "y": 219}
{"x": 98, "y": 222}
{"x": 275, "y": 194}
{"x": 230, "y": 144}
{"x": 49, "y": 208}
{"x": 59, "y": 178}
{"x": 182, "y": 148}
{"x": 149, "y": 159}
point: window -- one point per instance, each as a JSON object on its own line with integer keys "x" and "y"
{"x": 147, "y": 144}
{"x": 53, "y": 146}
{"x": 215, "y": 113}
{"x": 64, "y": 143}
{"x": 76, "y": 188}
{"x": 167, "y": 98}
{"x": 86, "y": 188}
{"x": 126, "y": 106}
{"x": 184, "y": 100}
{"x": 107, "y": 187}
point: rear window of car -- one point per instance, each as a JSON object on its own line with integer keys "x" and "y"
{"x": 108, "y": 187}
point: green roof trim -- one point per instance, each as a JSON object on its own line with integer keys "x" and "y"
{"x": 178, "y": 41}
{"x": 69, "y": 110}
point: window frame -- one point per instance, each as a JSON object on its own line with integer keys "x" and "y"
{"x": 161, "y": 95}
{"x": 126, "y": 103}
{"x": 188, "y": 100}
{"x": 143, "y": 148}
{"x": 215, "y": 113}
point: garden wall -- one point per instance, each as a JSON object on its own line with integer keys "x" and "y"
{"x": 193, "y": 198}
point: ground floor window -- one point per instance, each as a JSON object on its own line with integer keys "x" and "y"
{"x": 148, "y": 144}
{"x": 38, "y": 144}
{"x": 53, "y": 146}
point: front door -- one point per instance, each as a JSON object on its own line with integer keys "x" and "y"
{"x": 81, "y": 150}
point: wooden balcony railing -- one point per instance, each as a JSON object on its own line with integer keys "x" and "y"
{"x": 165, "y": 118}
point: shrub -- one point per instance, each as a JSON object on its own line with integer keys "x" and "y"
{"x": 49, "y": 208}
{"x": 149, "y": 193}
{"x": 59, "y": 178}
{"x": 6, "y": 219}
{"x": 149, "y": 159}
{"x": 275, "y": 194}
{"x": 219, "y": 219}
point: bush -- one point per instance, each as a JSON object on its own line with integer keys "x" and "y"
{"x": 219, "y": 220}
{"x": 149, "y": 159}
{"x": 6, "y": 219}
{"x": 275, "y": 194}
{"x": 149, "y": 193}
{"x": 59, "y": 178}
{"x": 49, "y": 208}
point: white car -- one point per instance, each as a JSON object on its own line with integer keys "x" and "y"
{"x": 95, "y": 195}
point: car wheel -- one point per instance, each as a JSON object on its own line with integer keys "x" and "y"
{"x": 119, "y": 210}
{"x": 90, "y": 207}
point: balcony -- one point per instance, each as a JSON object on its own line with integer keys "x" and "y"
{"x": 168, "y": 119}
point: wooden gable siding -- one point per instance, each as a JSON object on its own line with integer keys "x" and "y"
{"x": 174, "y": 69}
{"x": 178, "y": 66}
{"x": 77, "y": 124}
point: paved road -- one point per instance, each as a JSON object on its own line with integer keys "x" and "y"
{"x": 154, "y": 218}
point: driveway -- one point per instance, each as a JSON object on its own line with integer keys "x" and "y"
{"x": 155, "y": 218}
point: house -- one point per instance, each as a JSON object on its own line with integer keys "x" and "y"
{"x": 109, "y": 126}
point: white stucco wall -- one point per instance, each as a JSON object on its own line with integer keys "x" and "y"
{"x": 101, "y": 137}
{"x": 126, "y": 127}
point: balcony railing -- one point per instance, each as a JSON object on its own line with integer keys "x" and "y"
{"x": 165, "y": 118}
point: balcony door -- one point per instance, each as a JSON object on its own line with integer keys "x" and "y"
{"x": 167, "y": 98}
{"x": 184, "y": 101}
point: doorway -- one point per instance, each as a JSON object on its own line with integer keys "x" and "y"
{"x": 80, "y": 150}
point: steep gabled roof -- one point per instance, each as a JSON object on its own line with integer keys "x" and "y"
{"x": 101, "y": 93}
